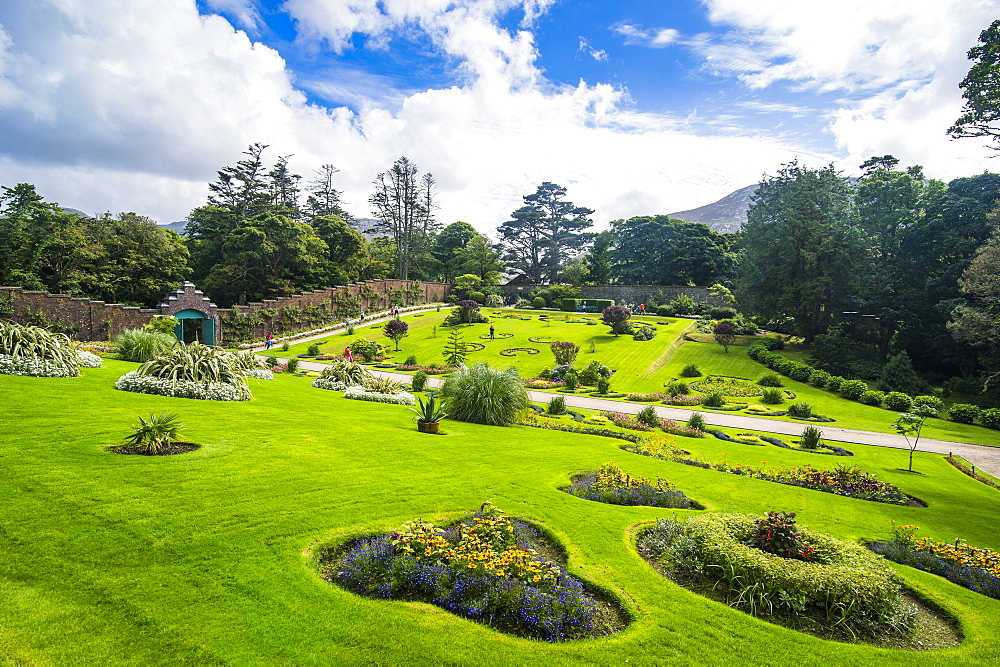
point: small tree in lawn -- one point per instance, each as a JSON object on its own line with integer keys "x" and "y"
{"x": 455, "y": 350}
{"x": 396, "y": 330}
{"x": 565, "y": 352}
{"x": 725, "y": 334}
{"x": 910, "y": 424}
{"x": 615, "y": 317}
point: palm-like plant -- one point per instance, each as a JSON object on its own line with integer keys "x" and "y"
{"x": 484, "y": 395}
{"x": 156, "y": 434}
{"x": 195, "y": 363}
{"x": 23, "y": 340}
{"x": 429, "y": 412}
{"x": 350, "y": 373}
{"x": 382, "y": 385}
{"x": 143, "y": 344}
{"x": 246, "y": 361}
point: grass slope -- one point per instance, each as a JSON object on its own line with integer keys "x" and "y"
{"x": 203, "y": 557}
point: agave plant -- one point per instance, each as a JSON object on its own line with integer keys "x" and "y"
{"x": 142, "y": 344}
{"x": 430, "y": 412}
{"x": 195, "y": 363}
{"x": 246, "y": 361}
{"x": 350, "y": 373}
{"x": 382, "y": 385}
{"x": 23, "y": 340}
{"x": 154, "y": 435}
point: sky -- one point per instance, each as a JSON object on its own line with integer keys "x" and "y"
{"x": 637, "y": 107}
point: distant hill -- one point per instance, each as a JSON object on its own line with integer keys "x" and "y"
{"x": 176, "y": 226}
{"x": 726, "y": 215}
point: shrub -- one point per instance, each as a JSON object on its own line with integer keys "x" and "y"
{"x": 593, "y": 372}
{"x": 990, "y": 418}
{"x": 411, "y": 360}
{"x": 271, "y": 361}
{"x": 196, "y": 363}
{"x": 293, "y": 365}
{"x": 396, "y": 330}
{"x": 776, "y": 533}
{"x": 696, "y": 420}
{"x": 963, "y": 413}
{"x": 564, "y": 351}
{"x": 714, "y": 400}
{"x": 285, "y": 346}
{"x": 603, "y": 386}
{"x": 644, "y": 333}
{"x": 665, "y": 311}
{"x": 557, "y": 406}
{"x": 455, "y": 349}
{"x": 690, "y": 371}
{"x": 523, "y": 303}
{"x": 800, "y": 410}
{"x": 494, "y": 301}
{"x": 484, "y": 395}
{"x": 800, "y": 372}
{"x": 570, "y": 380}
{"x": 617, "y": 318}
{"x": 648, "y": 416}
{"x": 313, "y": 350}
{"x": 478, "y": 297}
{"x": 382, "y": 385}
{"x": 833, "y": 384}
{"x": 725, "y": 334}
{"x": 897, "y": 401}
{"x": 898, "y": 375}
{"x": 538, "y": 303}
{"x": 872, "y": 397}
{"x": 418, "y": 381}
{"x": 351, "y": 373}
{"x": 810, "y": 438}
{"x": 206, "y": 391}
{"x": 155, "y": 435}
{"x": 34, "y": 351}
{"x": 722, "y": 313}
{"x": 142, "y": 344}
{"x": 773, "y": 396}
{"x": 853, "y": 389}
{"x": 770, "y": 380}
{"x": 86, "y": 359}
{"x": 932, "y": 402}
{"x": 819, "y": 378}
{"x": 783, "y": 366}
{"x": 772, "y": 343}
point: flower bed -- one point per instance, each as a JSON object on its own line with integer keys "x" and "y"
{"x": 769, "y": 566}
{"x": 430, "y": 370}
{"x": 611, "y": 485}
{"x": 86, "y": 359}
{"x": 35, "y": 367}
{"x": 682, "y": 400}
{"x": 206, "y": 391}
{"x": 487, "y": 568}
{"x": 362, "y": 394}
{"x": 728, "y": 386}
{"x": 512, "y": 351}
{"x": 497, "y": 336}
{"x": 974, "y": 568}
{"x": 540, "y": 339}
{"x": 543, "y": 383}
{"x": 646, "y": 398}
{"x": 762, "y": 439}
{"x": 842, "y": 481}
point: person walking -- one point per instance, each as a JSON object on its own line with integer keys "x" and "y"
{"x": 348, "y": 355}
{"x": 268, "y": 342}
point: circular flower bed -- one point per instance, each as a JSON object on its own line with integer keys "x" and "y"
{"x": 540, "y": 339}
{"x": 727, "y": 386}
{"x": 513, "y": 351}
{"x": 770, "y": 567}
{"x": 474, "y": 347}
{"x": 497, "y": 336}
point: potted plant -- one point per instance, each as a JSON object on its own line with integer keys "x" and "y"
{"x": 429, "y": 415}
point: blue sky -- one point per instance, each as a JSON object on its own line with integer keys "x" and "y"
{"x": 637, "y": 106}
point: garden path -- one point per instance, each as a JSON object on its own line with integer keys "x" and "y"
{"x": 984, "y": 457}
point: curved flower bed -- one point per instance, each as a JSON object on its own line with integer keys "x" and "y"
{"x": 497, "y": 336}
{"x": 752, "y": 439}
{"x": 612, "y": 486}
{"x": 837, "y": 584}
{"x": 486, "y": 568}
{"x": 728, "y": 386}
{"x": 474, "y": 347}
{"x": 34, "y": 367}
{"x": 206, "y": 391}
{"x": 513, "y": 351}
{"x": 86, "y": 359}
{"x": 362, "y": 394}
{"x": 540, "y": 339}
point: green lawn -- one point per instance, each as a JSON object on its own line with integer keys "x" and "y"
{"x": 204, "y": 557}
{"x": 640, "y": 366}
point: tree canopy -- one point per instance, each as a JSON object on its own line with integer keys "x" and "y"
{"x": 981, "y": 89}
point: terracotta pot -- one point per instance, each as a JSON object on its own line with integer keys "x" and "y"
{"x": 428, "y": 427}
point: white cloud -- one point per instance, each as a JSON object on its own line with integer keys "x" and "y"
{"x": 245, "y": 12}
{"x": 600, "y": 55}
{"x": 637, "y": 36}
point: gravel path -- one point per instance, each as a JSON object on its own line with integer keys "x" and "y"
{"x": 984, "y": 457}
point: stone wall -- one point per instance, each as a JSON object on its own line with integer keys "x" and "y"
{"x": 84, "y": 319}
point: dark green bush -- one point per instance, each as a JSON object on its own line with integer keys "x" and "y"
{"x": 990, "y": 418}
{"x": 648, "y": 416}
{"x": 853, "y": 389}
{"x": 714, "y": 400}
{"x": 800, "y": 410}
{"x": 557, "y": 406}
{"x": 933, "y": 402}
{"x": 313, "y": 350}
{"x": 770, "y": 380}
{"x": 571, "y": 380}
{"x": 538, "y": 302}
{"x": 872, "y": 397}
{"x": 722, "y": 313}
{"x": 963, "y": 413}
{"x": 783, "y": 366}
{"x": 834, "y": 382}
{"x": 411, "y": 360}
{"x": 593, "y": 372}
{"x": 819, "y": 378}
{"x": 696, "y": 420}
{"x": 677, "y": 387}
{"x": 773, "y": 396}
{"x": 690, "y": 371}
{"x": 772, "y": 343}
{"x": 810, "y": 438}
{"x": 419, "y": 381}
{"x": 897, "y": 401}
{"x": 603, "y": 385}
{"x": 800, "y": 372}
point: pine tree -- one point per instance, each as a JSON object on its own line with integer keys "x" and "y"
{"x": 898, "y": 375}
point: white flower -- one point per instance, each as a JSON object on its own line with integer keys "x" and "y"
{"x": 359, "y": 394}
{"x": 207, "y": 391}
{"x": 35, "y": 367}
{"x": 88, "y": 359}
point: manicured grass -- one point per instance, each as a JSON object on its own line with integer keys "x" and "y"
{"x": 204, "y": 557}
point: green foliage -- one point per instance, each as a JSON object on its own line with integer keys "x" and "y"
{"x": 714, "y": 400}
{"x": 910, "y": 424}
{"x": 834, "y": 382}
{"x": 196, "y": 363}
{"x": 557, "y": 406}
{"x": 571, "y": 380}
{"x": 810, "y": 438}
{"x": 898, "y": 375}
{"x": 690, "y": 371}
{"x": 565, "y": 352}
{"x": 313, "y": 350}
{"x": 382, "y": 385}
{"x": 293, "y": 365}
{"x": 872, "y": 397}
{"x": 395, "y": 330}
{"x": 538, "y": 302}
{"x": 932, "y": 403}
{"x": 725, "y": 335}
{"x": 981, "y": 114}
{"x": 455, "y": 349}
{"x": 990, "y": 418}
{"x": 659, "y": 250}
{"x": 603, "y": 385}
{"x": 594, "y": 371}
{"x": 800, "y": 372}
{"x": 418, "y": 381}
{"x": 819, "y": 378}
{"x": 728, "y": 386}
{"x": 429, "y": 412}
{"x": 285, "y": 346}
{"x": 697, "y": 420}
{"x": 162, "y": 323}
{"x": 154, "y": 435}
{"x": 142, "y": 344}
{"x": 722, "y": 313}
{"x": 483, "y": 395}
{"x": 677, "y": 387}
{"x": 897, "y": 401}
{"x": 776, "y": 533}
{"x": 411, "y": 360}
{"x": 617, "y": 318}
{"x": 773, "y": 397}
{"x": 271, "y": 361}
{"x": 648, "y": 416}
{"x": 350, "y": 373}
{"x": 770, "y": 380}
{"x": 800, "y": 410}
{"x": 963, "y": 413}
{"x": 853, "y": 389}
{"x": 26, "y": 341}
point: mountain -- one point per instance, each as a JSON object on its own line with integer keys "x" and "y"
{"x": 176, "y": 226}
{"x": 726, "y": 215}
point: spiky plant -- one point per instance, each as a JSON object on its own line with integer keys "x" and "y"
{"x": 484, "y": 395}
{"x": 195, "y": 363}
{"x": 350, "y": 373}
{"x": 156, "y": 434}
{"x": 142, "y": 344}
{"x": 30, "y": 342}
{"x": 246, "y": 361}
{"x": 382, "y": 385}
{"x": 429, "y": 412}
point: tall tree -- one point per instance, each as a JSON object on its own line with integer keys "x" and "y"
{"x": 659, "y": 250}
{"x": 404, "y": 206}
{"x": 480, "y": 257}
{"x": 324, "y": 198}
{"x": 283, "y": 189}
{"x": 242, "y": 189}
{"x": 800, "y": 249}
{"x": 981, "y": 90}
{"x": 977, "y": 321}
{"x": 598, "y": 259}
{"x": 449, "y": 244}
{"x": 347, "y": 253}
{"x": 544, "y": 233}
